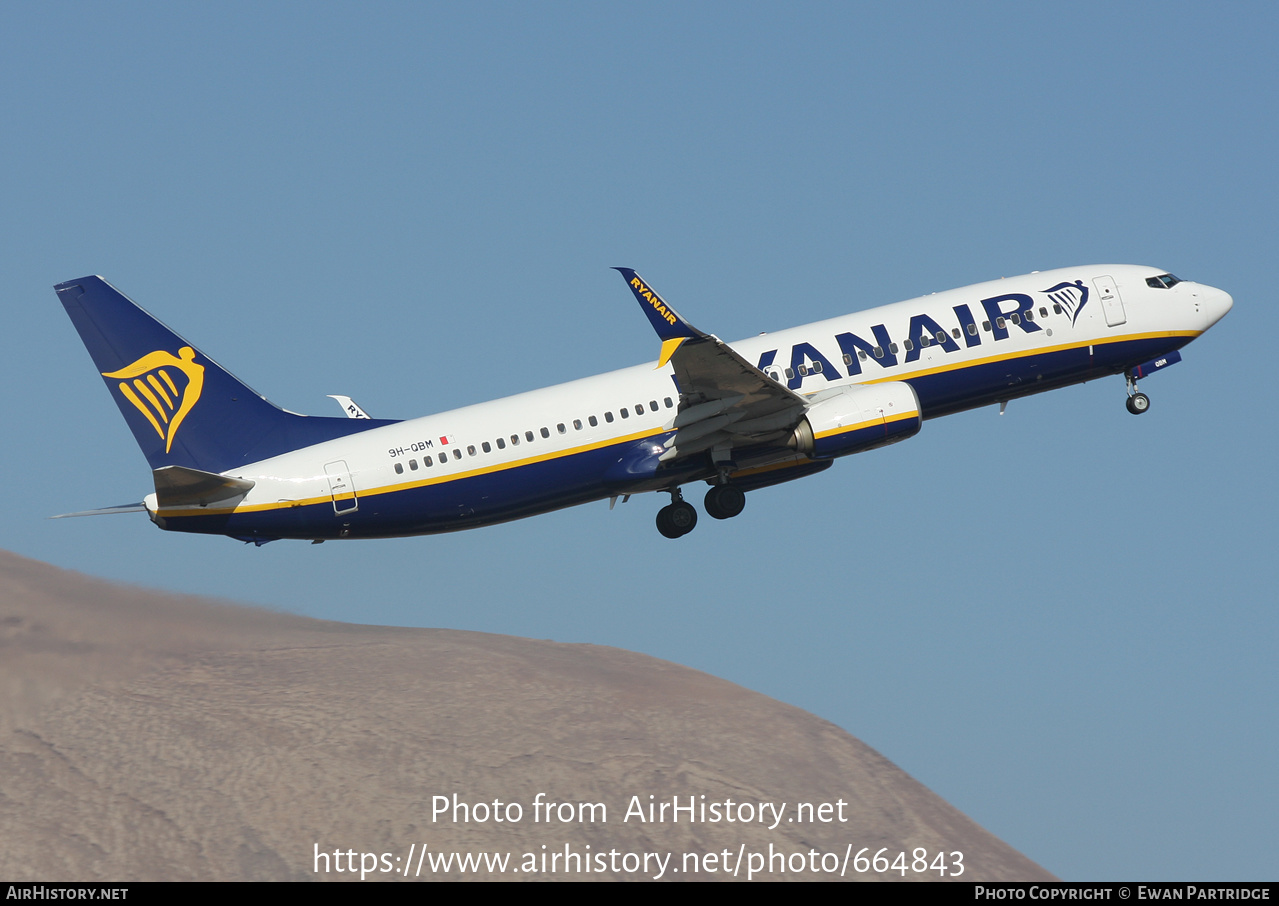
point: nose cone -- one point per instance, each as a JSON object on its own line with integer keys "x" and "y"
{"x": 1214, "y": 304}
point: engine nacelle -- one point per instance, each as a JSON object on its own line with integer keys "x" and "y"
{"x": 857, "y": 418}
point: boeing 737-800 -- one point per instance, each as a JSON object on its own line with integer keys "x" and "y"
{"x": 739, "y": 417}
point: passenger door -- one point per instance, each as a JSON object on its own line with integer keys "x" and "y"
{"x": 1111, "y": 304}
{"x": 341, "y": 488}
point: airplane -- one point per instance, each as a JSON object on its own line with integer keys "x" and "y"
{"x": 743, "y": 416}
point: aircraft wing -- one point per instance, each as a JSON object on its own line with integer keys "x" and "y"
{"x": 725, "y": 401}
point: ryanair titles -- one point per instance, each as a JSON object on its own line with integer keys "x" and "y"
{"x": 653, "y": 299}
{"x": 1001, "y": 313}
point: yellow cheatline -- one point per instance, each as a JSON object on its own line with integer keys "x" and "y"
{"x": 409, "y": 485}
{"x": 391, "y": 489}
{"x": 958, "y": 366}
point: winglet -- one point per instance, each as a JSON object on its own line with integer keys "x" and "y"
{"x": 349, "y": 406}
{"x": 671, "y": 328}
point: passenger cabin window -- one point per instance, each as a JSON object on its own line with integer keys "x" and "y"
{"x": 545, "y": 432}
{"x": 427, "y": 461}
{"x": 972, "y": 329}
{"x": 908, "y": 345}
{"x": 457, "y": 453}
{"x": 470, "y": 450}
{"x": 892, "y": 347}
{"x": 560, "y": 428}
{"x": 399, "y": 468}
{"x": 625, "y": 413}
{"x": 879, "y": 352}
{"x": 848, "y": 359}
{"x": 577, "y": 424}
{"x": 1043, "y": 312}
{"x": 985, "y": 325}
{"x": 594, "y": 421}
{"x": 413, "y": 465}
{"x": 639, "y": 408}
{"x": 501, "y": 444}
{"x": 515, "y": 440}
{"x": 669, "y": 404}
{"x": 608, "y": 417}
{"x": 652, "y": 405}
{"x": 485, "y": 446}
{"x": 789, "y": 373}
{"x": 528, "y": 436}
{"x": 1056, "y": 309}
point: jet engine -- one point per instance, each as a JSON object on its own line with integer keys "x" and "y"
{"x": 857, "y": 418}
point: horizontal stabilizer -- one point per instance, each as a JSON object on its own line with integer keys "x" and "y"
{"x": 178, "y": 486}
{"x": 138, "y": 507}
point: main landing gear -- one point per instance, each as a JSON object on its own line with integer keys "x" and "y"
{"x": 679, "y": 518}
{"x": 1137, "y": 402}
{"x": 723, "y": 501}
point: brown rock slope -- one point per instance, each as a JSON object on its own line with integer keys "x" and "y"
{"x": 146, "y": 736}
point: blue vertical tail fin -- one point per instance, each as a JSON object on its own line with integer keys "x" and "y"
{"x": 184, "y": 409}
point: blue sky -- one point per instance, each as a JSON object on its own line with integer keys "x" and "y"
{"x": 1062, "y": 620}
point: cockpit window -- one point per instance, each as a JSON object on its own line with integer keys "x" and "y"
{"x": 1163, "y": 281}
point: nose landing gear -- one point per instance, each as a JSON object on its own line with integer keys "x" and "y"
{"x": 1137, "y": 402}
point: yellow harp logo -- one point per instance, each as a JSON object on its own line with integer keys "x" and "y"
{"x": 150, "y": 386}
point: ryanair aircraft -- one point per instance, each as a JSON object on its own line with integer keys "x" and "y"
{"x": 739, "y": 417}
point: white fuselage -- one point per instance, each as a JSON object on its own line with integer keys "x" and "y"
{"x": 547, "y": 448}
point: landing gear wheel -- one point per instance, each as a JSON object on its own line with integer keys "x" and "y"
{"x": 1138, "y": 403}
{"x": 676, "y": 520}
{"x": 724, "y": 501}
{"x": 664, "y": 523}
